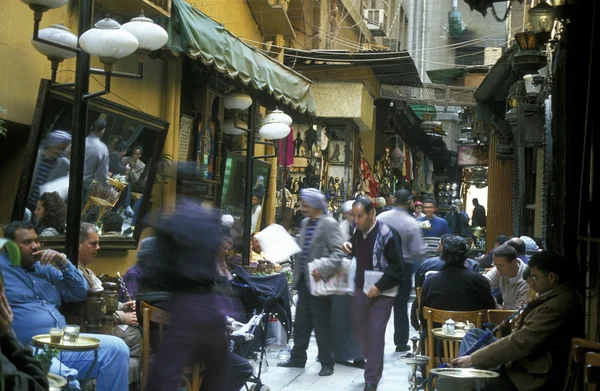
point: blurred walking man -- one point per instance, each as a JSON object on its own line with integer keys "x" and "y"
{"x": 414, "y": 251}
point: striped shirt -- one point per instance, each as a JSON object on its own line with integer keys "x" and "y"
{"x": 46, "y": 165}
{"x": 308, "y": 235}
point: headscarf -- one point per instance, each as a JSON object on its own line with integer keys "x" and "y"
{"x": 57, "y": 137}
{"x": 530, "y": 244}
{"x": 314, "y": 198}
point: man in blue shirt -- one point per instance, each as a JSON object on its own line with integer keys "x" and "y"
{"x": 432, "y": 225}
{"x": 34, "y": 291}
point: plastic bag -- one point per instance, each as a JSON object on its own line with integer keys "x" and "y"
{"x": 276, "y": 334}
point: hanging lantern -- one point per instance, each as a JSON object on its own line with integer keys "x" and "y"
{"x": 150, "y": 36}
{"x": 232, "y": 127}
{"x": 542, "y": 21}
{"x": 108, "y": 41}
{"x": 278, "y": 116}
{"x": 45, "y": 5}
{"x": 274, "y": 131}
{"x": 237, "y": 100}
{"x": 59, "y": 34}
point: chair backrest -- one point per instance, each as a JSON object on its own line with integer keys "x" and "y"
{"x": 111, "y": 193}
{"x": 497, "y": 317}
{"x": 579, "y": 365}
{"x": 450, "y": 346}
{"x": 160, "y": 317}
{"x": 432, "y": 245}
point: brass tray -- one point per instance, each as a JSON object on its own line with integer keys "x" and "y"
{"x": 457, "y": 336}
{"x": 83, "y": 343}
{"x": 56, "y": 381}
{"x": 464, "y": 373}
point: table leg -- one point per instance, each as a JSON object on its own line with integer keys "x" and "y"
{"x": 87, "y": 376}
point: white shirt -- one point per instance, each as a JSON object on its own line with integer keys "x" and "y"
{"x": 513, "y": 289}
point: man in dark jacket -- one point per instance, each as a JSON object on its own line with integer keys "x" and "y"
{"x": 478, "y": 217}
{"x": 456, "y": 288}
{"x": 377, "y": 247}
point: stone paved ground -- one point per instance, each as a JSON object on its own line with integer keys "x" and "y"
{"x": 345, "y": 378}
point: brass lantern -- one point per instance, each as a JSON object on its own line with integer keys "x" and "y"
{"x": 542, "y": 21}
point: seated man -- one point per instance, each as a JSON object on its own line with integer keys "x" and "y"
{"x": 126, "y": 323}
{"x": 136, "y": 178}
{"x": 507, "y": 276}
{"x": 456, "y": 288}
{"x": 112, "y": 224}
{"x": 433, "y": 264}
{"x": 35, "y": 289}
{"x": 535, "y": 354}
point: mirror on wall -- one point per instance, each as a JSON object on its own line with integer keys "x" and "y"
{"x": 234, "y": 189}
{"x": 123, "y": 152}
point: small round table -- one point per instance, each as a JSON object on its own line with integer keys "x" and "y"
{"x": 56, "y": 382}
{"x": 83, "y": 344}
{"x": 450, "y": 343}
{"x": 460, "y": 378}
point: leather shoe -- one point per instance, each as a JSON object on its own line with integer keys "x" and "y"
{"x": 326, "y": 371}
{"x": 359, "y": 364}
{"x": 291, "y": 363}
{"x": 402, "y": 348}
{"x": 370, "y": 387}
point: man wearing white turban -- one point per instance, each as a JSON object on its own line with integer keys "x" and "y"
{"x": 319, "y": 240}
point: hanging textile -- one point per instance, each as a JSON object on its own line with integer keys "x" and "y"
{"x": 286, "y": 151}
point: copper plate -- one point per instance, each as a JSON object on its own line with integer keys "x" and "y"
{"x": 464, "y": 373}
{"x": 83, "y": 343}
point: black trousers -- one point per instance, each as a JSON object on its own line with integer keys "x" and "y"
{"x": 312, "y": 312}
{"x": 401, "y": 323}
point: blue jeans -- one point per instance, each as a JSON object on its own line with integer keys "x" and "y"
{"x": 470, "y": 338}
{"x": 111, "y": 370}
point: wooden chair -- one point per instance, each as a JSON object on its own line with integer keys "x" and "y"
{"x": 591, "y": 373}
{"x": 192, "y": 376}
{"x": 497, "y": 317}
{"x": 450, "y": 346}
{"x": 577, "y": 359}
{"x": 104, "y": 199}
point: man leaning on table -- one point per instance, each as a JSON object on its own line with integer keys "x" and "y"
{"x": 35, "y": 289}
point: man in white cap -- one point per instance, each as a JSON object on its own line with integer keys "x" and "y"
{"x": 347, "y": 225}
{"x": 319, "y": 239}
{"x": 227, "y": 227}
{"x": 414, "y": 251}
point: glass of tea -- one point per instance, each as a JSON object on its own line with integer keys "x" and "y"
{"x": 56, "y": 335}
{"x": 71, "y": 334}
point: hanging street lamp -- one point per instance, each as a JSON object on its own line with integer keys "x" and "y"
{"x": 542, "y": 21}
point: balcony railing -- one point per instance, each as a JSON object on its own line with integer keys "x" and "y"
{"x": 131, "y": 8}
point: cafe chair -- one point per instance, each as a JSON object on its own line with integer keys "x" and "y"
{"x": 497, "y": 317}
{"x": 104, "y": 199}
{"x": 450, "y": 344}
{"x": 591, "y": 373}
{"x": 192, "y": 375}
{"x": 577, "y": 360}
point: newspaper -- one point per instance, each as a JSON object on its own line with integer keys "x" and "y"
{"x": 371, "y": 278}
{"x": 276, "y": 243}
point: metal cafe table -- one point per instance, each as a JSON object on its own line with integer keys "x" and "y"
{"x": 83, "y": 344}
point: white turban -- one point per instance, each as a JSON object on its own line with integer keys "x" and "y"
{"x": 347, "y": 206}
{"x": 227, "y": 220}
{"x": 314, "y": 198}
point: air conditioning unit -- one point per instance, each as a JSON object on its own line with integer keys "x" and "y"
{"x": 376, "y": 19}
{"x": 491, "y": 55}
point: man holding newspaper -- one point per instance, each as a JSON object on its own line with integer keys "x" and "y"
{"x": 379, "y": 271}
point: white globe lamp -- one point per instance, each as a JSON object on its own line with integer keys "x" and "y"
{"x": 150, "y": 36}
{"x": 237, "y": 100}
{"x": 60, "y": 34}
{"x": 278, "y": 116}
{"x": 108, "y": 41}
{"x": 230, "y": 128}
{"x": 45, "y": 5}
{"x": 274, "y": 131}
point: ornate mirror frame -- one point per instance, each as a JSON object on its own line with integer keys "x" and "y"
{"x": 46, "y": 93}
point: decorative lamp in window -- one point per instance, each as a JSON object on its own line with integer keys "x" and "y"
{"x": 542, "y": 21}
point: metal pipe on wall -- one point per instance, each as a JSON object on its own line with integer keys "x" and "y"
{"x": 79, "y": 133}
{"x": 248, "y": 191}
